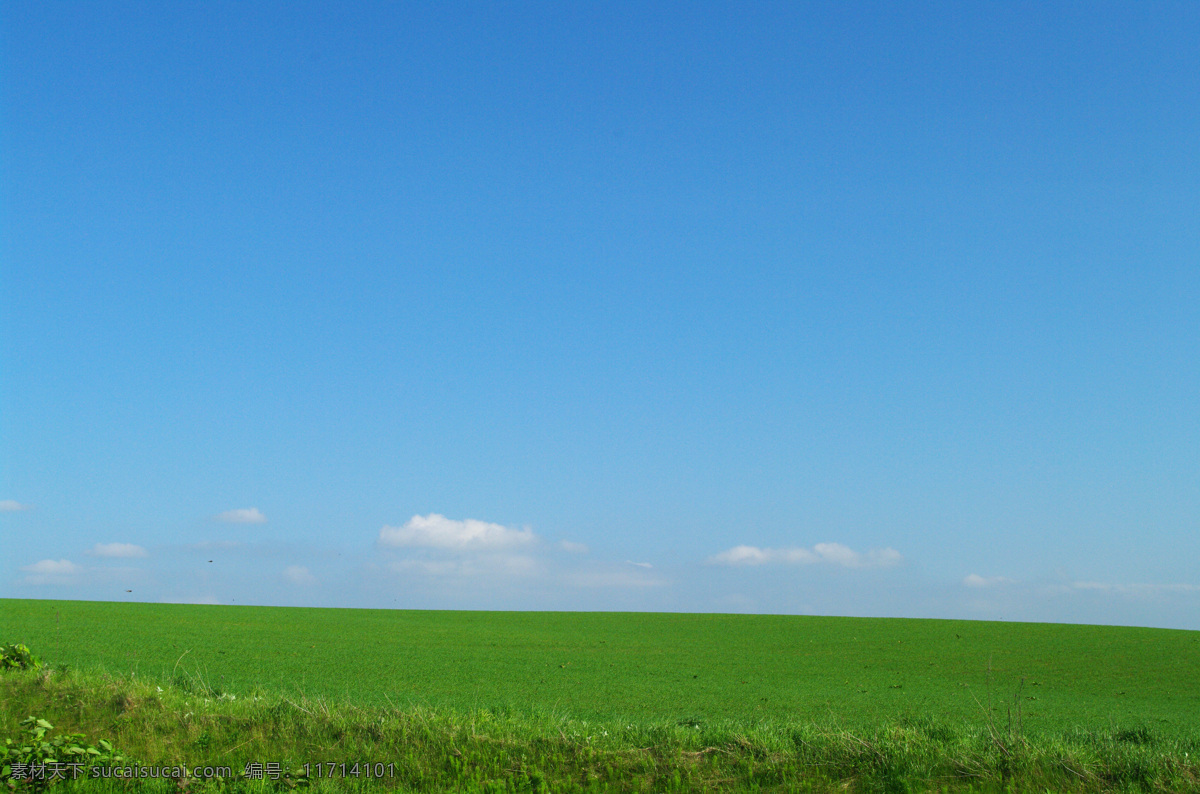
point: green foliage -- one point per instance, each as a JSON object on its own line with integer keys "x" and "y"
{"x": 315, "y": 742}
{"x": 18, "y": 657}
{"x": 36, "y": 761}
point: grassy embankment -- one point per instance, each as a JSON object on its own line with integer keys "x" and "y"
{"x": 621, "y": 702}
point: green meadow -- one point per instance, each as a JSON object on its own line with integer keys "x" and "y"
{"x": 987, "y": 694}
{"x": 638, "y": 665}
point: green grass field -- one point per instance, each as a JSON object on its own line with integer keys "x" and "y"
{"x": 726, "y": 678}
{"x": 638, "y": 665}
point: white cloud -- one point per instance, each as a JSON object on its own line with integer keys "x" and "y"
{"x": 639, "y": 564}
{"x": 831, "y": 553}
{"x": 12, "y": 506}
{"x": 574, "y": 548}
{"x": 741, "y": 555}
{"x": 299, "y": 575}
{"x": 752, "y": 555}
{"x": 245, "y": 515}
{"x": 975, "y": 580}
{"x": 53, "y": 568}
{"x": 117, "y": 550}
{"x": 435, "y": 531}
{"x": 839, "y": 554}
{"x": 51, "y": 572}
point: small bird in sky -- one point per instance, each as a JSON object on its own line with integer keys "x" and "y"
{"x": 128, "y": 591}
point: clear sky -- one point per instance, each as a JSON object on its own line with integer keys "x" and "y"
{"x": 829, "y": 308}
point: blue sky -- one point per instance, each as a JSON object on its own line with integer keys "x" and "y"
{"x": 829, "y": 308}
